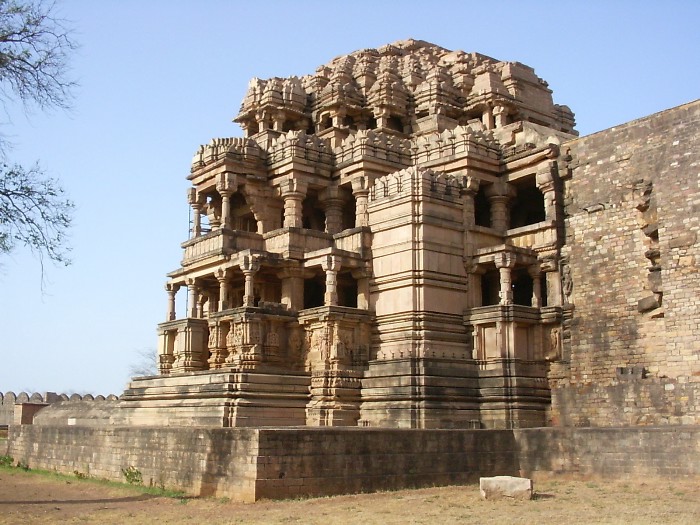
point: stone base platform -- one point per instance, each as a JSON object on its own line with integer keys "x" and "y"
{"x": 229, "y": 398}
{"x": 248, "y": 464}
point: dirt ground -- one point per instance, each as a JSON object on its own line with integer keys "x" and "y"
{"x": 28, "y": 498}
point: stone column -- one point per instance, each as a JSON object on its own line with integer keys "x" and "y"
{"x": 500, "y": 115}
{"x": 220, "y": 275}
{"x": 333, "y": 207}
{"x": 534, "y": 272}
{"x": 293, "y": 192}
{"x": 192, "y": 298}
{"x": 195, "y": 201}
{"x": 172, "y": 290}
{"x": 362, "y": 276}
{"x": 499, "y": 194}
{"x": 487, "y": 117}
{"x": 474, "y": 272}
{"x": 226, "y": 185}
{"x": 545, "y": 183}
{"x": 360, "y": 190}
{"x": 292, "y": 287}
{"x": 200, "y": 305}
{"x": 331, "y": 265}
{"x": 505, "y": 262}
{"x": 550, "y": 266}
{"x": 278, "y": 119}
{"x": 468, "y": 188}
{"x": 249, "y": 267}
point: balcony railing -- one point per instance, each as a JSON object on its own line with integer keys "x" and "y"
{"x": 220, "y": 242}
{"x": 533, "y": 235}
{"x": 293, "y": 242}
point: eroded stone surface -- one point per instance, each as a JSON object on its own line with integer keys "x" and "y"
{"x": 498, "y": 487}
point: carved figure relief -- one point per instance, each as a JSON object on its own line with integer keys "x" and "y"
{"x": 554, "y": 350}
{"x": 567, "y": 283}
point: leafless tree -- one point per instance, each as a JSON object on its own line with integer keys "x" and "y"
{"x": 146, "y": 365}
{"x": 35, "y": 47}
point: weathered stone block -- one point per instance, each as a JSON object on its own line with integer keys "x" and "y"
{"x": 499, "y": 487}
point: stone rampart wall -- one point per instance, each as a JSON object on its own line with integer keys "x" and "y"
{"x": 633, "y": 246}
{"x": 249, "y": 464}
{"x": 8, "y": 401}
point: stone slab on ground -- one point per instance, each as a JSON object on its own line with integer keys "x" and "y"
{"x": 498, "y": 487}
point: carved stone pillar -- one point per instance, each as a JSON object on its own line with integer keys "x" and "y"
{"x": 545, "y": 183}
{"x": 249, "y": 267}
{"x": 195, "y": 201}
{"x": 192, "y": 298}
{"x": 534, "y": 272}
{"x": 333, "y": 207}
{"x": 362, "y": 276}
{"x": 500, "y": 114}
{"x": 331, "y": 265}
{"x": 293, "y": 192}
{"x": 505, "y": 262}
{"x": 172, "y": 291}
{"x": 226, "y": 185}
{"x": 221, "y": 275}
{"x": 550, "y": 266}
{"x": 360, "y": 190}
{"x": 278, "y": 119}
{"x": 469, "y": 188}
{"x": 487, "y": 117}
{"x": 499, "y": 195}
{"x": 200, "y": 305}
{"x": 292, "y": 288}
{"x": 474, "y": 272}
{"x": 217, "y": 344}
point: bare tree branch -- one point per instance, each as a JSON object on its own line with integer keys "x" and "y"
{"x": 33, "y": 212}
{"x": 35, "y": 47}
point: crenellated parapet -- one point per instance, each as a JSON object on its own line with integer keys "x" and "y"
{"x": 416, "y": 181}
{"x": 242, "y": 151}
{"x": 469, "y": 140}
{"x": 373, "y": 145}
{"x": 299, "y": 145}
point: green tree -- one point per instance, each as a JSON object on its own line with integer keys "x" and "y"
{"x": 35, "y": 47}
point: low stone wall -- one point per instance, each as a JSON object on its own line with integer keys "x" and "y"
{"x": 640, "y": 401}
{"x": 9, "y": 401}
{"x": 249, "y": 464}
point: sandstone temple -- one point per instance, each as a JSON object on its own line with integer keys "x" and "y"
{"x": 415, "y": 237}
{"x": 410, "y": 271}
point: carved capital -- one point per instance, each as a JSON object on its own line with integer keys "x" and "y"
{"x": 226, "y": 183}
{"x": 468, "y": 185}
{"x": 504, "y": 260}
{"x": 292, "y": 186}
{"x": 331, "y": 263}
{"x": 250, "y": 264}
{"x": 194, "y": 198}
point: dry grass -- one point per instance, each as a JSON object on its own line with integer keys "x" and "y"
{"x": 29, "y": 498}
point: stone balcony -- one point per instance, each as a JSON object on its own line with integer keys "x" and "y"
{"x": 218, "y": 243}
{"x": 292, "y": 243}
{"x": 538, "y": 235}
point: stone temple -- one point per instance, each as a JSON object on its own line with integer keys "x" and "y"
{"x": 415, "y": 237}
{"x": 412, "y": 271}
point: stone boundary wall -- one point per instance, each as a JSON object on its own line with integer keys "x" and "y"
{"x": 632, "y": 204}
{"x": 8, "y": 400}
{"x": 250, "y": 464}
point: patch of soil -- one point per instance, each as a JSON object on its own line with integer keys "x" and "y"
{"x": 28, "y": 498}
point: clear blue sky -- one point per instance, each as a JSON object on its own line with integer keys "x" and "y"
{"x": 158, "y": 78}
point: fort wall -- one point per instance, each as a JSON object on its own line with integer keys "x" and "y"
{"x": 250, "y": 464}
{"x": 632, "y": 196}
{"x": 9, "y": 402}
